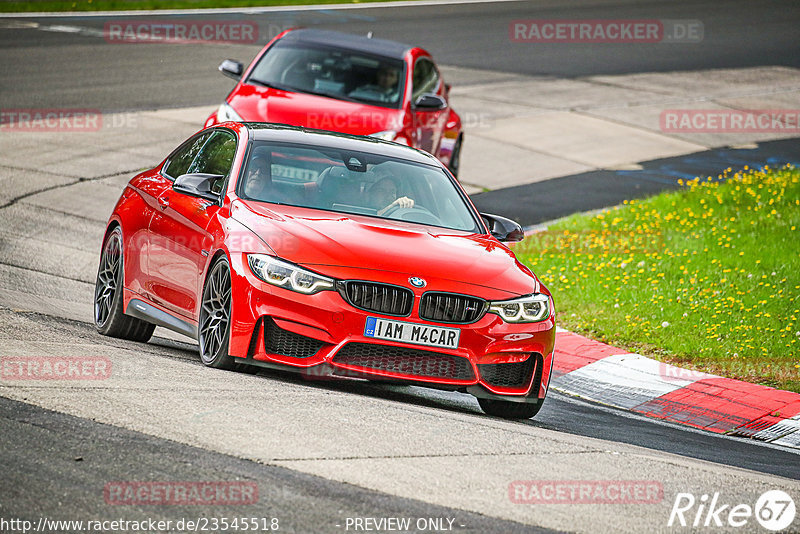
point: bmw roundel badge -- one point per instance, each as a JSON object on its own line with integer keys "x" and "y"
{"x": 416, "y": 281}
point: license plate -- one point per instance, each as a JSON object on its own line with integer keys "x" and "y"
{"x": 418, "y": 334}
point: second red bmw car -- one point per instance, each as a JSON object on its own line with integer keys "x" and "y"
{"x": 330, "y": 255}
{"x": 346, "y": 83}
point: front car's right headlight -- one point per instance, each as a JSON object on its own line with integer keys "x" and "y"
{"x": 528, "y": 309}
{"x": 288, "y": 275}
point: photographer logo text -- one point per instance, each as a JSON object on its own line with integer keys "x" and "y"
{"x": 774, "y": 510}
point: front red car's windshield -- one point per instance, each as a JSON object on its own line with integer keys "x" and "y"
{"x": 341, "y": 74}
{"x": 355, "y": 183}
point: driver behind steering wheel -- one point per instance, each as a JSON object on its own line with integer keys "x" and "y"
{"x": 383, "y": 194}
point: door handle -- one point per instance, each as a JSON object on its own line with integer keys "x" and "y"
{"x": 163, "y": 202}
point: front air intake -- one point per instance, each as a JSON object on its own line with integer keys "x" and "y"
{"x": 511, "y": 375}
{"x": 280, "y": 341}
{"x": 451, "y": 308}
{"x": 405, "y": 361}
{"x": 379, "y": 298}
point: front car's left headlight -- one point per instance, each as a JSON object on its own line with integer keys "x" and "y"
{"x": 288, "y": 275}
{"x": 528, "y": 309}
{"x": 226, "y": 113}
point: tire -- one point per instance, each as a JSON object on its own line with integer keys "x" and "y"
{"x": 214, "y": 325}
{"x": 510, "y": 410}
{"x": 109, "y": 318}
{"x": 455, "y": 157}
{"x": 214, "y": 330}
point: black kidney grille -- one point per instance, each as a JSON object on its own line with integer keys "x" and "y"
{"x": 380, "y": 298}
{"x": 451, "y": 308}
{"x": 508, "y": 375}
{"x": 407, "y": 361}
{"x": 280, "y": 341}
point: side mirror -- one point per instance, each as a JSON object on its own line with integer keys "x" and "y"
{"x": 503, "y": 229}
{"x": 231, "y": 69}
{"x": 429, "y": 102}
{"x": 197, "y": 185}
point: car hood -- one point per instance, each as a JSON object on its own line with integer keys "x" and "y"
{"x": 346, "y": 246}
{"x": 300, "y": 109}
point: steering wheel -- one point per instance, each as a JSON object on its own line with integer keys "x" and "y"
{"x": 417, "y": 214}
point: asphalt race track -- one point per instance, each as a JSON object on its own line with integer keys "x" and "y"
{"x": 45, "y": 68}
{"x": 323, "y": 452}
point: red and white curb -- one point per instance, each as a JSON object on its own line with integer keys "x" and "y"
{"x": 608, "y": 375}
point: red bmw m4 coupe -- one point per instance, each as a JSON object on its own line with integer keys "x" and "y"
{"x": 347, "y": 83}
{"x": 331, "y": 255}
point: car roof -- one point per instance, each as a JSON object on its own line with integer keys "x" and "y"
{"x": 362, "y": 43}
{"x": 283, "y": 133}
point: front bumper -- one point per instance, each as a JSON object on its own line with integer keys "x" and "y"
{"x": 322, "y": 335}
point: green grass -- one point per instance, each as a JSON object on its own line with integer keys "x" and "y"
{"x": 707, "y": 277}
{"x": 14, "y": 6}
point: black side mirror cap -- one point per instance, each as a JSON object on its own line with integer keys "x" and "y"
{"x": 503, "y": 229}
{"x": 197, "y": 185}
{"x": 231, "y": 69}
{"x": 429, "y": 102}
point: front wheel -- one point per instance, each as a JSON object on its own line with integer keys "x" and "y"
{"x": 215, "y": 317}
{"x": 109, "y": 318}
{"x": 510, "y": 410}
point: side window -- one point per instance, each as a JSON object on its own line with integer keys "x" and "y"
{"x": 179, "y": 163}
{"x": 426, "y": 78}
{"x": 216, "y": 157}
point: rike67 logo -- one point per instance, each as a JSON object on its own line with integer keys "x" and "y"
{"x": 774, "y": 510}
